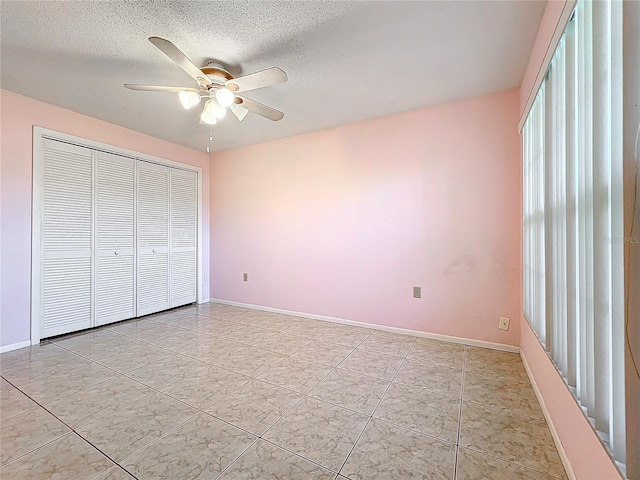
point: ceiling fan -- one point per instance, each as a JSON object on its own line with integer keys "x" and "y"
{"x": 217, "y": 87}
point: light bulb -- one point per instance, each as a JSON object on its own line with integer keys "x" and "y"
{"x": 216, "y": 109}
{"x": 188, "y": 99}
{"x": 225, "y": 97}
{"x": 208, "y": 116}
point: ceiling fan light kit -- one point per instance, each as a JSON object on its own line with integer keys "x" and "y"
{"x": 218, "y": 86}
{"x": 188, "y": 99}
{"x": 208, "y": 116}
{"x": 215, "y": 109}
{"x": 225, "y": 97}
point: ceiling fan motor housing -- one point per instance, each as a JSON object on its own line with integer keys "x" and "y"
{"x": 217, "y": 73}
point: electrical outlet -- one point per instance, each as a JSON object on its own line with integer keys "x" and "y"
{"x": 417, "y": 292}
{"x": 504, "y": 323}
{"x": 245, "y": 277}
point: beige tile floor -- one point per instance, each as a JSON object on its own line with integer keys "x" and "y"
{"x": 216, "y": 391}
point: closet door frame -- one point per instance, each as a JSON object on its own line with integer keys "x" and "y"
{"x": 41, "y": 134}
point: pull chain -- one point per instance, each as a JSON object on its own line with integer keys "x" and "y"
{"x": 209, "y": 138}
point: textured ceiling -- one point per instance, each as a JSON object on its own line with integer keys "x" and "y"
{"x": 346, "y": 61}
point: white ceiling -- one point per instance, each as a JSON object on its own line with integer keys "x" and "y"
{"x": 346, "y": 61}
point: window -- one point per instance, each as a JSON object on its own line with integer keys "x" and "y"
{"x": 573, "y": 216}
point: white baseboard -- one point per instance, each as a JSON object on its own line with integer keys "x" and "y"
{"x": 15, "y": 346}
{"x": 403, "y": 331}
{"x": 547, "y": 416}
{"x": 205, "y": 300}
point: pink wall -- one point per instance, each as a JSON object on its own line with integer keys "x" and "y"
{"x": 588, "y": 458}
{"x": 19, "y": 114}
{"x": 585, "y": 453}
{"x": 344, "y": 222}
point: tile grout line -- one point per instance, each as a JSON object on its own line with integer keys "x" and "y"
{"x": 306, "y": 395}
{"x": 21, "y": 364}
{"x": 369, "y": 420}
{"x": 444, "y": 440}
{"x": 38, "y": 448}
{"x": 197, "y": 410}
{"x": 203, "y": 411}
{"x": 291, "y": 452}
{"x": 464, "y": 367}
{"x": 64, "y": 350}
{"x": 154, "y": 390}
{"x": 153, "y": 441}
{"x": 528, "y": 469}
{"x": 262, "y": 435}
{"x": 67, "y": 434}
{"x": 208, "y": 365}
{"x": 70, "y": 432}
{"x": 501, "y": 411}
{"x": 221, "y": 472}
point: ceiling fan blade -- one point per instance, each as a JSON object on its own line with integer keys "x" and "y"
{"x": 253, "y": 81}
{"x": 160, "y": 88}
{"x": 260, "y": 109}
{"x": 174, "y": 53}
{"x": 239, "y": 111}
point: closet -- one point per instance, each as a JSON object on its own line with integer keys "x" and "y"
{"x": 116, "y": 237}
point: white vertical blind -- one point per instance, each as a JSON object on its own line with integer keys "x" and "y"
{"x": 601, "y": 212}
{"x": 572, "y": 208}
{"x": 534, "y": 234}
{"x": 571, "y": 227}
{"x": 617, "y": 433}
{"x": 560, "y": 209}
{"x": 547, "y": 211}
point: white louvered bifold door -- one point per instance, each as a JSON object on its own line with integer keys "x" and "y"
{"x": 153, "y": 238}
{"x": 115, "y": 241}
{"x": 183, "y": 222}
{"x": 66, "y": 238}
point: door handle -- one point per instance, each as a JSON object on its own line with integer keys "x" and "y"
{"x": 154, "y": 250}
{"x": 116, "y": 252}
